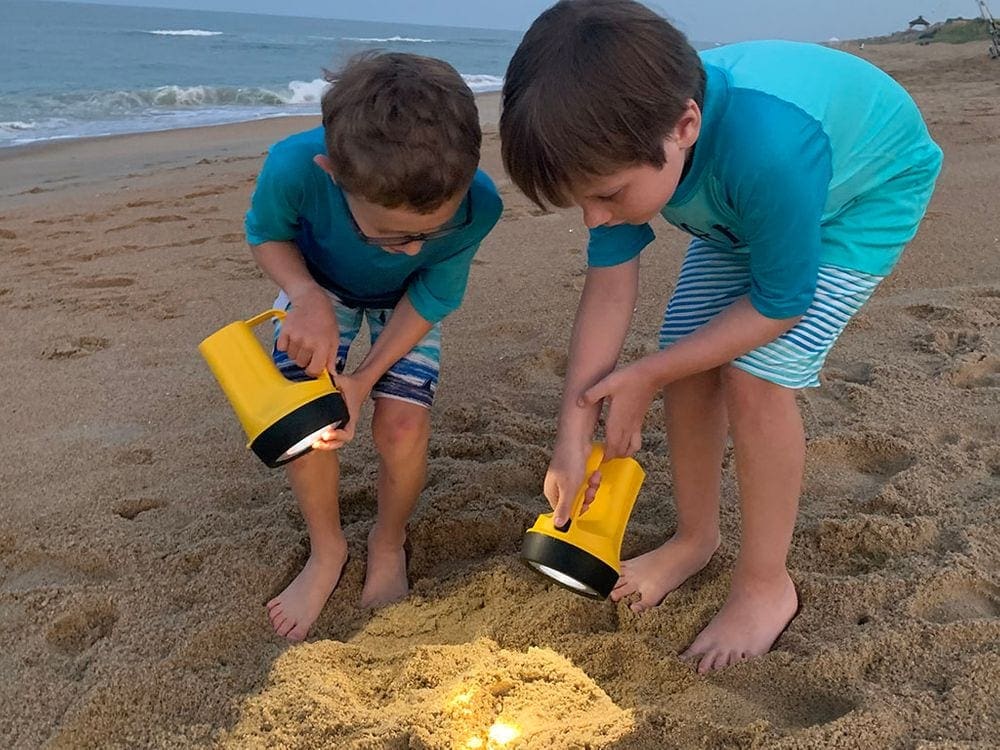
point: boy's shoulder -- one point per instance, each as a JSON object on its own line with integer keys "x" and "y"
{"x": 298, "y": 148}
{"x": 805, "y": 74}
{"x": 486, "y": 202}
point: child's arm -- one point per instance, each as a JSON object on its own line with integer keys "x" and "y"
{"x": 730, "y": 334}
{"x": 602, "y": 320}
{"x": 404, "y": 331}
{"x": 309, "y": 332}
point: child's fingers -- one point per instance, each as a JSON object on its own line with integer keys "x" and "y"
{"x": 595, "y": 393}
{"x": 317, "y": 362}
{"x": 327, "y": 445}
{"x": 282, "y": 343}
{"x": 563, "y": 508}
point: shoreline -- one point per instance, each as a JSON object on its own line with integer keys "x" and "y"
{"x": 44, "y": 166}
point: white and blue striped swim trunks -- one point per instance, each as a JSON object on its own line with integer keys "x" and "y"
{"x": 413, "y": 378}
{"x": 713, "y": 278}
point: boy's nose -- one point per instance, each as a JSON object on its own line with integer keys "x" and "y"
{"x": 594, "y": 216}
{"x": 410, "y": 248}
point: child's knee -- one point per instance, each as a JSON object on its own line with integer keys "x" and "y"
{"x": 401, "y": 431}
{"x": 746, "y": 393}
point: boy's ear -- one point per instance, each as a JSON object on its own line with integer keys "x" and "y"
{"x": 323, "y": 162}
{"x": 689, "y": 126}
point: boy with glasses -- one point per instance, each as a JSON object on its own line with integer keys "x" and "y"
{"x": 377, "y": 214}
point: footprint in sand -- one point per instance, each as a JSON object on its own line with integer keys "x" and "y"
{"x": 936, "y": 313}
{"x": 30, "y": 570}
{"x": 548, "y": 365}
{"x": 854, "y": 466}
{"x": 949, "y": 342}
{"x": 136, "y": 457}
{"x": 82, "y": 626}
{"x": 859, "y": 373}
{"x": 787, "y": 707}
{"x": 449, "y": 541}
{"x": 471, "y": 447}
{"x": 133, "y": 508}
{"x": 207, "y": 192}
{"x": 162, "y": 219}
{"x": 104, "y": 282}
{"x": 81, "y": 346}
{"x": 871, "y": 540}
{"x": 950, "y": 600}
{"x": 977, "y": 370}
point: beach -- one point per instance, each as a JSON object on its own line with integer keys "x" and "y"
{"x": 140, "y": 539}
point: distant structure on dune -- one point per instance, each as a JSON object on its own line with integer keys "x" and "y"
{"x": 959, "y": 30}
{"x": 994, "y": 29}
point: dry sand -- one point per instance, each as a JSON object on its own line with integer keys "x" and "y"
{"x": 139, "y": 539}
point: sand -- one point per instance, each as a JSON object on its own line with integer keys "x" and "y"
{"x": 139, "y": 539}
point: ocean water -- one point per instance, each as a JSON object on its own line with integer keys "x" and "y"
{"x": 69, "y": 70}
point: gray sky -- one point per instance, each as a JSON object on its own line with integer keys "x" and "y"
{"x": 702, "y": 20}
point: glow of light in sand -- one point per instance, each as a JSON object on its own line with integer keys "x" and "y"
{"x": 502, "y": 733}
{"x": 474, "y": 743}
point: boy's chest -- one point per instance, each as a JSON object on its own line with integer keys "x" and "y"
{"x": 709, "y": 217}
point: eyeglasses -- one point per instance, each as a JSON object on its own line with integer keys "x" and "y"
{"x": 400, "y": 240}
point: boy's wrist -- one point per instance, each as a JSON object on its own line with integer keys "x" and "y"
{"x": 366, "y": 377}
{"x": 304, "y": 290}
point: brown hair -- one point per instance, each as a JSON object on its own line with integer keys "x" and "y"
{"x": 595, "y": 86}
{"x": 401, "y": 130}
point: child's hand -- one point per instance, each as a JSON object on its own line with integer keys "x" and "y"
{"x": 309, "y": 333}
{"x": 629, "y": 392}
{"x": 354, "y": 392}
{"x": 564, "y": 477}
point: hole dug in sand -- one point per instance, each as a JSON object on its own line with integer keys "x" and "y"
{"x": 474, "y": 695}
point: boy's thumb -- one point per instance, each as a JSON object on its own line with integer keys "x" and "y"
{"x": 561, "y": 515}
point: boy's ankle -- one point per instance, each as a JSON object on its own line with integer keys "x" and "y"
{"x": 328, "y": 549}
{"x": 707, "y": 539}
{"x": 748, "y": 576}
{"x": 384, "y": 536}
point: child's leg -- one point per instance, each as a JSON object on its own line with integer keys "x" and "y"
{"x": 769, "y": 445}
{"x": 314, "y": 479}
{"x": 401, "y": 431}
{"x": 696, "y": 430}
{"x": 401, "y": 427}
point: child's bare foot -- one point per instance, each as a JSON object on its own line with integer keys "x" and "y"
{"x": 294, "y": 610}
{"x": 658, "y": 572}
{"x": 754, "y": 615}
{"x": 385, "y": 577}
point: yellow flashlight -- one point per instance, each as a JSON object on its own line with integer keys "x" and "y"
{"x": 584, "y": 554}
{"x": 282, "y": 418}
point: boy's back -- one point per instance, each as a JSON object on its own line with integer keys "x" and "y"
{"x": 873, "y": 128}
{"x": 805, "y": 155}
{"x": 296, "y": 200}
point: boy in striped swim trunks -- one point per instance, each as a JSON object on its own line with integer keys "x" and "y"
{"x": 801, "y": 172}
{"x": 375, "y": 215}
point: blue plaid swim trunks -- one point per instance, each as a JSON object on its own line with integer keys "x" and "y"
{"x": 413, "y": 378}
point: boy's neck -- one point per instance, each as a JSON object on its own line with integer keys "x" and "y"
{"x": 688, "y": 161}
